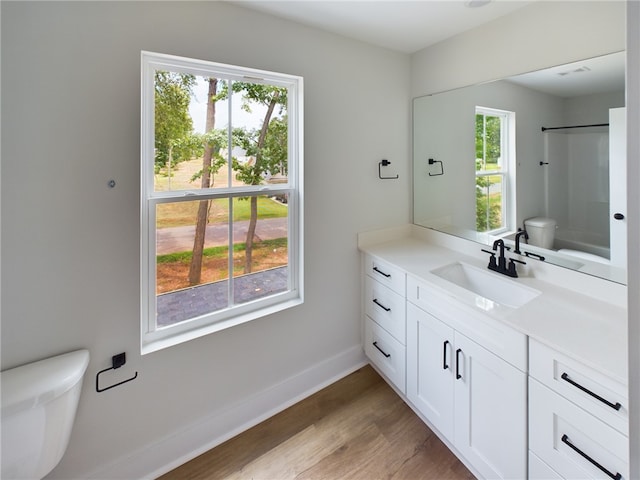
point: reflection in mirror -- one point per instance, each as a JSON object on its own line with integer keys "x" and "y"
{"x": 542, "y": 151}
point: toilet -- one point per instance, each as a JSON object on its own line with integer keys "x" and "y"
{"x": 39, "y": 402}
{"x": 541, "y": 231}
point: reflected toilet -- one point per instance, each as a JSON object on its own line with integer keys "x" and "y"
{"x": 541, "y": 231}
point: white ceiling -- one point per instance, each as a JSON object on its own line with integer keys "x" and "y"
{"x": 411, "y": 25}
{"x": 595, "y": 75}
{"x": 405, "y": 26}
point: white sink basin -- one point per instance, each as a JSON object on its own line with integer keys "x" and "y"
{"x": 490, "y": 286}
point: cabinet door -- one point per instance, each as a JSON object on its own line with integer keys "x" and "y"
{"x": 491, "y": 411}
{"x": 618, "y": 185}
{"x": 430, "y": 368}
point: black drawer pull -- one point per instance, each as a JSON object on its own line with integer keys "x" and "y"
{"x": 458, "y": 376}
{"x": 375, "y": 344}
{"x": 615, "y": 406}
{"x": 565, "y": 440}
{"x": 444, "y": 354}
{"x": 375, "y": 269}
{"x": 386, "y": 309}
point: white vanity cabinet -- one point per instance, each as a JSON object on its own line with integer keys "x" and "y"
{"x": 385, "y": 333}
{"x": 474, "y": 398}
{"x": 483, "y": 375}
{"x": 578, "y": 419}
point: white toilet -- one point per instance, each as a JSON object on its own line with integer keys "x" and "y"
{"x": 541, "y": 231}
{"x": 39, "y": 402}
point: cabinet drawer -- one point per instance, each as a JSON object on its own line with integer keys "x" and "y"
{"x": 598, "y": 394}
{"x": 572, "y": 442}
{"x": 386, "y": 307}
{"x": 385, "y": 273}
{"x": 386, "y": 353}
{"x": 538, "y": 470}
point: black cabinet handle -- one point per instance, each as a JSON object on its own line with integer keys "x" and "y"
{"x": 615, "y": 476}
{"x": 375, "y": 269}
{"x": 375, "y": 344}
{"x": 458, "y": 376}
{"x": 618, "y": 216}
{"x": 444, "y": 355}
{"x": 615, "y": 406}
{"x": 386, "y": 309}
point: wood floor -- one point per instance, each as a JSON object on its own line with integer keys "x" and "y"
{"x": 357, "y": 428}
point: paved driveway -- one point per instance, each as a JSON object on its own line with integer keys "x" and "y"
{"x": 180, "y": 239}
{"x": 174, "y": 307}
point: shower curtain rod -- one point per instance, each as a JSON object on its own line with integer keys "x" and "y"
{"x": 544, "y": 129}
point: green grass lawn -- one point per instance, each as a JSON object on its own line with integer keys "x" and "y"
{"x": 181, "y": 214}
{"x": 220, "y": 252}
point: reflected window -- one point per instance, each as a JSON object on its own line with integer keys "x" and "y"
{"x": 494, "y": 157}
{"x": 221, "y": 196}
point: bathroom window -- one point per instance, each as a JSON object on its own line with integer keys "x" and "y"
{"x": 221, "y": 206}
{"x": 495, "y": 157}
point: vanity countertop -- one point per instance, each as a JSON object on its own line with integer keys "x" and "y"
{"x": 590, "y": 330}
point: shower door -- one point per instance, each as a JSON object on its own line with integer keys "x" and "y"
{"x": 618, "y": 186}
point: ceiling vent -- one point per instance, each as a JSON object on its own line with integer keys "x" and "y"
{"x": 577, "y": 70}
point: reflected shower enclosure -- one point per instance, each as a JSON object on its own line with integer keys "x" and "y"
{"x": 576, "y": 184}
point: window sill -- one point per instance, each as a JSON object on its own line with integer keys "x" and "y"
{"x": 150, "y": 346}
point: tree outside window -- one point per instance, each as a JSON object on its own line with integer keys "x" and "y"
{"x": 491, "y": 169}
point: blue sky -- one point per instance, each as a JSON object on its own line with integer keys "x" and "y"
{"x": 198, "y": 110}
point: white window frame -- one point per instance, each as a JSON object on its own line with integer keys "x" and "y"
{"x": 152, "y": 337}
{"x": 508, "y": 166}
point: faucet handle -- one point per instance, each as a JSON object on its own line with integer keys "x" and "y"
{"x": 512, "y": 267}
{"x": 492, "y": 259}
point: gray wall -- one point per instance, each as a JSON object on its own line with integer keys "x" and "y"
{"x": 537, "y": 36}
{"x": 633, "y": 199}
{"x": 70, "y": 245}
{"x": 449, "y": 137}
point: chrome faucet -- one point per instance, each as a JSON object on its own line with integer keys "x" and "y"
{"x": 521, "y": 233}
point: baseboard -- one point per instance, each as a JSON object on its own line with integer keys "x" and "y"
{"x": 172, "y": 451}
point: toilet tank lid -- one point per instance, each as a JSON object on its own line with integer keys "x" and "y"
{"x": 540, "y": 222}
{"x": 38, "y": 382}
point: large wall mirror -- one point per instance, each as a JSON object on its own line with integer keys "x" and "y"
{"x": 543, "y": 152}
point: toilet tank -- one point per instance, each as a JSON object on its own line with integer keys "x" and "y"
{"x": 39, "y": 402}
{"x": 541, "y": 231}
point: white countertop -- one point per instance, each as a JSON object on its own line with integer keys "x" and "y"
{"x": 590, "y": 330}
